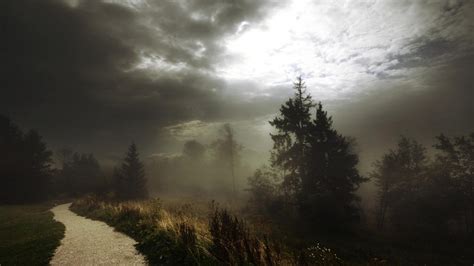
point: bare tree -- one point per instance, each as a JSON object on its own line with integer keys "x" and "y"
{"x": 227, "y": 151}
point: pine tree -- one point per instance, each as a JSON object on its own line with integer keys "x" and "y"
{"x": 318, "y": 163}
{"x": 290, "y": 141}
{"x": 131, "y": 176}
{"x": 331, "y": 177}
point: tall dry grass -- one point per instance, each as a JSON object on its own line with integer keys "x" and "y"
{"x": 191, "y": 234}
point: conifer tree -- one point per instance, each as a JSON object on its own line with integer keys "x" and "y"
{"x": 291, "y": 139}
{"x": 331, "y": 178}
{"x": 318, "y": 163}
{"x": 131, "y": 176}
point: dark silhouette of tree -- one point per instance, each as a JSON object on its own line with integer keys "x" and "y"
{"x": 131, "y": 181}
{"x": 81, "y": 174}
{"x": 264, "y": 191}
{"x": 227, "y": 152}
{"x": 319, "y": 166}
{"x": 385, "y": 176}
{"x": 330, "y": 179}
{"x": 291, "y": 139}
{"x": 400, "y": 178}
{"x": 456, "y": 156}
{"x": 25, "y": 164}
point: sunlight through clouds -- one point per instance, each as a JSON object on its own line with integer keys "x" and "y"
{"x": 337, "y": 47}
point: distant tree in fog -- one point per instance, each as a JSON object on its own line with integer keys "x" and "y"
{"x": 130, "y": 177}
{"x": 25, "y": 164}
{"x": 456, "y": 156}
{"x": 424, "y": 198}
{"x": 398, "y": 176}
{"x": 227, "y": 151}
{"x": 80, "y": 173}
{"x": 194, "y": 150}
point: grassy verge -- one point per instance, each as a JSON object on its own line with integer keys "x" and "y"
{"x": 183, "y": 235}
{"x": 28, "y": 234}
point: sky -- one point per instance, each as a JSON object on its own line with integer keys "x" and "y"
{"x": 96, "y": 75}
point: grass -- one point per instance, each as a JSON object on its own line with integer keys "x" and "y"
{"x": 28, "y": 234}
{"x": 191, "y": 234}
{"x": 164, "y": 237}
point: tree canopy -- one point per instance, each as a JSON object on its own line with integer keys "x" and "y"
{"x": 25, "y": 164}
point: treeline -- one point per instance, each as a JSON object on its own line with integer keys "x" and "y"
{"x": 423, "y": 196}
{"x": 425, "y": 205}
{"x": 28, "y": 173}
{"x": 25, "y": 164}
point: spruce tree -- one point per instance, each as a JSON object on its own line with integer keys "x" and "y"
{"x": 318, "y": 164}
{"x": 331, "y": 178}
{"x": 291, "y": 139}
{"x": 131, "y": 176}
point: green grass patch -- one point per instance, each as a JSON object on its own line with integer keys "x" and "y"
{"x": 28, "y": 234}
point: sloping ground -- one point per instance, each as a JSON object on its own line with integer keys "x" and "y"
{"x": 89, "y": 242}
{"x": 28, "y": 234}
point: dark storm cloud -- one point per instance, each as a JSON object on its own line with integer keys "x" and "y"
{"x": 70, "y": 70}
{"x": 96, "y": 75}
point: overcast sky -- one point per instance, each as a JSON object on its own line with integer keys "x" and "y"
{"x": 95, "y": 75}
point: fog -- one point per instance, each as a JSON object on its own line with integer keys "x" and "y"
{"x": 318, "y": 116}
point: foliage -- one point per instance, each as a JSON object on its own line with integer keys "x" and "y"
{"x": 168, "y": 236}
{"x": 423, "y": 198}
{"x": 331, "y": 177}
{"x": 25, "y": 164}
{"x": 399, "y": 176}
{"x": 319, "y": 166}
{"x": 291, "y": 139}
{"x": 80, "y": 174}
{"x": 130, "y": 177}
{"x": 162, "y": 240}
{"x": 456, "y": 158}
{"x": 264, "y": 191}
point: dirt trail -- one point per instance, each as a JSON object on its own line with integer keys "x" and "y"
{"x": 89, "y": 242}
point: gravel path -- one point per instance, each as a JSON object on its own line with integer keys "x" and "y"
{"x": 89, "y": 242}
